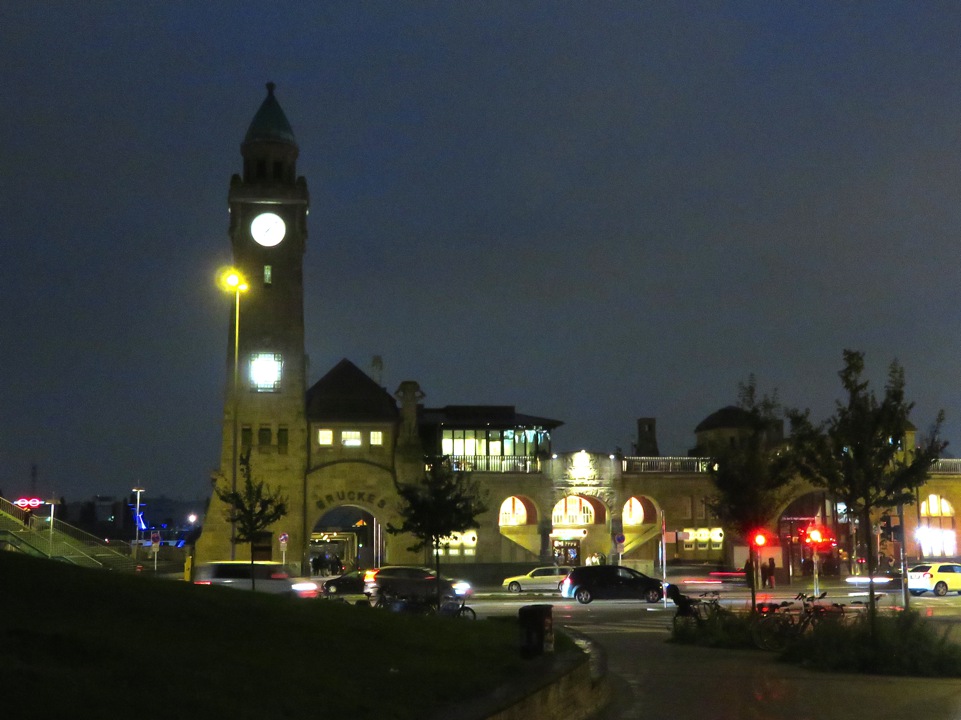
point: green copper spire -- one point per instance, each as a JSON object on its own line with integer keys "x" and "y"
{"x": 270, "y": 124}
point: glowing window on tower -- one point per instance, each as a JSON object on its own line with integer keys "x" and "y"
{"x": 376, "y": 437}
{"x": 325, "y": 437}
{"x": 265, "y": 371}
{"x": 350, "y": 438}
{"x": 268, "y": 275}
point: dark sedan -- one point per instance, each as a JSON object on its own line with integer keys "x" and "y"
{"x": 348, "y": 584}
{"x": 610, "y": 582}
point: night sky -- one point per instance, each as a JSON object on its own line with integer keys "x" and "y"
{"x": 594, "y": 211}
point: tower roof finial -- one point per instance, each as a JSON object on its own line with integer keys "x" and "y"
{"x": 270, "y": 88}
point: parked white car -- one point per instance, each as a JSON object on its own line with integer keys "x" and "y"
{"x": 269, "y": 577}
{"x": 548, "y": 578}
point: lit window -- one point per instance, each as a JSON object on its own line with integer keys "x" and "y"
{"x": 325, "y": 437}
{"x": 513, "y": 512}
{"x": 350, "y": 438}
{"x": 936, "y": 533}
{"x": 265, "y": 371}
{"x": 268, "y": 274}
{"x": 633, "y": 512}
{"x": 573, "y": 510}
{"x": 376, "y": 437}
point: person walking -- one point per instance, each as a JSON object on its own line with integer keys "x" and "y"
{"x": 771, "y": 569}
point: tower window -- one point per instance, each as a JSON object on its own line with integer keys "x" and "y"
{"x": 263, "y": 436}
{"x": 376, "y": 437}
{"x": 350, "y": 438}
{"x": 282, "y": 440}
{"x": 325, "y": 437}
{"x": 268, "y": 275}
{"x": 246, "y": 437}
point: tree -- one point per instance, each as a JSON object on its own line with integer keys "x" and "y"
{"x": 441, "y": 503}
{"x": 252, "y": 509}
{"x": 859, "y": 455}
{"x": 750, "y": 475}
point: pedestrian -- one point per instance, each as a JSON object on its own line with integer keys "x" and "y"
{"x": 749, "y": 573}
{"x": 771, "y": 569}
{"x": 765, "y": 569}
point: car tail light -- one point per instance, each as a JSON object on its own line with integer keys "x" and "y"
{"x": 369, "y": 575}
{"x": 928, "y": 576}
{"x": 201, "y": 582}
{"x": 306, "y": 589}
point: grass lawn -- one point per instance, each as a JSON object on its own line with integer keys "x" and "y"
{"x": 94, "y": 644}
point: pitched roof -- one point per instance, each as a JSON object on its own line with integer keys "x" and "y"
{"x": 347, "y": 394}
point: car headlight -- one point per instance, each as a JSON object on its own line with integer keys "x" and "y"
{"x": 461, "y": 587}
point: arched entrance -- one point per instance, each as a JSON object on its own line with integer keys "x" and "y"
{"x": 579, "y": 534}
{"x": 346, "y": 537}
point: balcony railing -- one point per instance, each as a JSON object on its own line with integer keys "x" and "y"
{"x": 665, "y": 464}
{"x": 495, "y": 463}
{"x": 947, "y": 465}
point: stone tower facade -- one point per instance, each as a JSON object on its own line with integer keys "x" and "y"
{"x": 264, "y": 418}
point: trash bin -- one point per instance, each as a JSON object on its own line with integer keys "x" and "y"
{"x": 536, "y": 630}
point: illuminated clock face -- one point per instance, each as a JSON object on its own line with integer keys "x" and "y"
{"x": 266, "y": 371}
{"x": 268, "y": 229}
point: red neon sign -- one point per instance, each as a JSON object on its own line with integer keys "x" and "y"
{"x": 28, "y": 502}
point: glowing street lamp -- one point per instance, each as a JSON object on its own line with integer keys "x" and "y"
{"x": 233, "y": 281}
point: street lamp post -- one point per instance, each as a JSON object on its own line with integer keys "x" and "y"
{"x": 233, "y": 281}
{"x": 136, "y": 522}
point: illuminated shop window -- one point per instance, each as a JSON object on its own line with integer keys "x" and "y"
{"x": 633, "y": 513}
{"x": 376, "y": 437}
{"x": 936, "y": 533}
{"x": 513, "y": 512}
{"x": 266, "y": 370}
{"x": 325, "y": 437}
{"x": 573, "y": 510}
{"x": 350, "y": 438}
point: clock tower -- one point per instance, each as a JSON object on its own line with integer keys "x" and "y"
{"x": 264, "y": 418}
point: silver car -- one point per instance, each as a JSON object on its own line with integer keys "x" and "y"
{"x": 268, "y": 577}
{"x": 548, "y": 578}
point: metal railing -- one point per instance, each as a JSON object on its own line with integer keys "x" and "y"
{"x": 495, "y": 463}
{"x": 60, "y": 541}
{"x": 665, "y": 464}
{"x": 947, "y": 466}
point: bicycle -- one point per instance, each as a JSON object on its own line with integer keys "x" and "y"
{"x": 777, "y": 625}
{"x": 695, "y": 613}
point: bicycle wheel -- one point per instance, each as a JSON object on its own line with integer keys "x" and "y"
{"x": 771, "y": 632}
{"x": 466, "y": 613}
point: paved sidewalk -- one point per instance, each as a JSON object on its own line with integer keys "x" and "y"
{"x": 651, "y": 677}
{"x": 681, "y": 681}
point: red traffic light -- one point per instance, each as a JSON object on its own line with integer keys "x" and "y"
{"x": 758, "y": 538}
